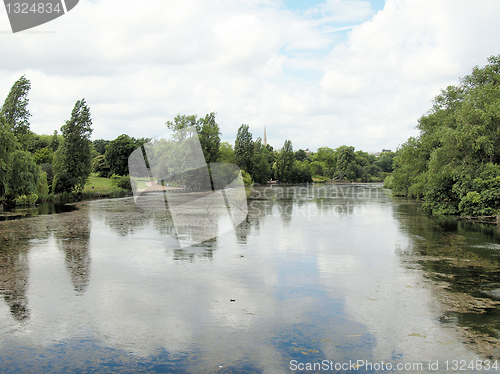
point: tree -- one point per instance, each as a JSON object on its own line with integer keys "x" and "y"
{"x": 118, "y": 152}
{"x": 345, "y": 156}
{"x": 261, "y": 171}
{"x": 226, "y": 153}
{"x": 453, "y": 163}
{"x": 243, "y": 148}
{"x": 7, "y": 145}
{"x": 100, "y": 145}
{"x": 43, "y": 156}
{"x": 209, "y": 135}
{"x": 24, "y": 175}
{"x": 74, "y": 158}
{"x": 300, "y": 155}
{"x": 100, "y": 166}
{"x": 284, "y": 163}
{"x": 183, "y": 126}
{"x": 15, "y": 110}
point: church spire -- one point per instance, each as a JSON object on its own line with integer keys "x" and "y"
{"x": 265, "y": 139}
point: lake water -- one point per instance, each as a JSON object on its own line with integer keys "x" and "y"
{"x": 325, "y": 275}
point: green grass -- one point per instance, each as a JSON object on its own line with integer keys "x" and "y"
{"x": 141, "y": 183}
{"x": 99, "y": 184}
{"x": 103, "y": 184}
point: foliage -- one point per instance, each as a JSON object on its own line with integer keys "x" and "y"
{"x": 31, "y": 199}
{"x": 63, "y": 182}
{"x": 243, "y": 148}
{"x": 43, "y": 156}
{"x": 23, "y": 176}
{"x": 300, "y": 155}
{"x": 100, "y": 166}
{"x": 226, "y": 153}
{"x": 42, "y": 187}
{"x": 7, "y": 145}
{"x": 284, "y": 163}
{"x": 100, "y": 145}
{"x": 15, "y": 110}
{"x": 74, "y": 155}
{"x": 453, "y": 163}
{"x": 122, "y": 182}
{"x": 261, "y": 170}
{"x": 209, "y": 135}
{"x": 117, "y": 154}
{"x": 247, "y": 179}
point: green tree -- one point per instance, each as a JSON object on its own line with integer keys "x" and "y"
{"x": 345, "y": 156}
{"x": 209, "y": 135}
{"x": 226, "y": 153}
{"x": 118, "y": 152}
{"x": 300, "y": 155}
{"x": 100, "y": 145}
{"x": 100, "y": 166}
{"x": 43, "y": 156}
{"x": 24, "y": 175}
{"x": 183, "y": 126}
{"x": 453, "y": 163}
{"x": 15, "y": 110}
{"x": 284, "y": 163}
{"x": 7, "y": 145}
{"x": 261, "y": 171}
{"x": 74, "y": 158}
{"x": 243, "y": 148}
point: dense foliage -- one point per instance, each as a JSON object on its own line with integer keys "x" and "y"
{"x": 454, "y": 163}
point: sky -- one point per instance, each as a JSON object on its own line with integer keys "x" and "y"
{"x": 319, "y": 73}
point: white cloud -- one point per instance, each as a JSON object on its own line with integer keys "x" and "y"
{"x": 251, "y": 62}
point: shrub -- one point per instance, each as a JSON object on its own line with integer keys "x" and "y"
{"x": 122, "y": 182}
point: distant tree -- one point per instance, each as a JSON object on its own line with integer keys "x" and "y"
{"x": 226, "y": 153}
{"x": 100, "y": 145}
{"x": 345, "y": 156}
{"x": 55, "y": 141}
{"x": 209, "y": 134}
{"x": 43, "y": 156}
{"x": 261, "y": 171}
{"x": 15, "y": 110}
{"x": 118, "y": 152}
{"x": 243, "y": 148}
{"x": 384, "y": 161}
{"x": 300, "y": 155}
{"x": 100, "y": 166}
{"x": 284, "y": 163}
{"x": 183, "y": 126}
{"x": 328, "y": 159}
{"x": 74, "y": 158}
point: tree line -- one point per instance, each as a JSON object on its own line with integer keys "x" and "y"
{"x": 34, "y": 167}
{"x": 453, "y": 165}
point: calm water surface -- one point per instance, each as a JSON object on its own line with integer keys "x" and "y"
{"x": 332, "y": 273}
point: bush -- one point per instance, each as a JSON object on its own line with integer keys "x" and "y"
{"x": 21, "y": 200}
{"x": 63, "y": 182}
{"x": 122, "y": 182}
{"x": 32, "y": 199}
